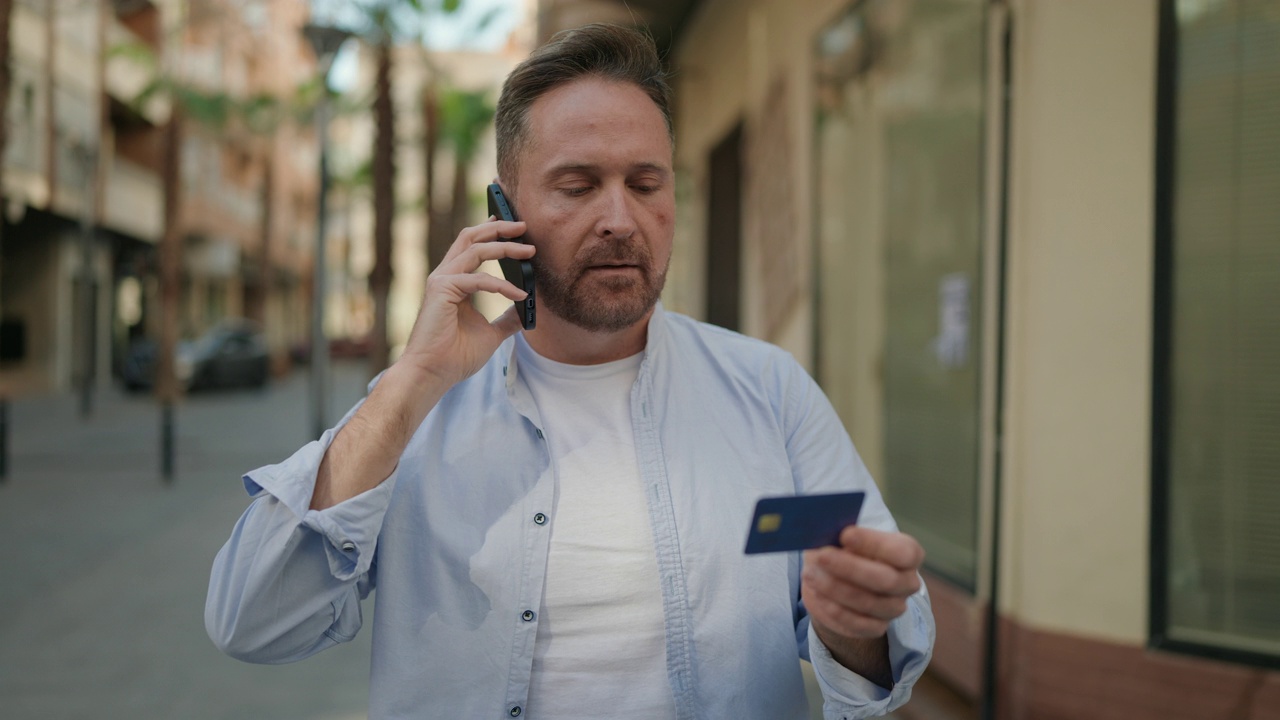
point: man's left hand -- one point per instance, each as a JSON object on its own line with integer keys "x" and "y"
{"x": 853, "y": 591}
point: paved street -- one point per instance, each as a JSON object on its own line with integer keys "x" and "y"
{"x": 101, "y": 605}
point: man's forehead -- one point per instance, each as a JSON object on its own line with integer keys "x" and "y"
{"x": 593, "y": 122}
{"x": 595, "y": 102}
{"x": 596, "y": 168}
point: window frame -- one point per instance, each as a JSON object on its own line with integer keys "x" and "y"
{"x": 1166, "y": 137}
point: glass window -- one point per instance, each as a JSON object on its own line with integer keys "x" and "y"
{"x": 899, "y": 163}
{"x": 1218, "y": 458}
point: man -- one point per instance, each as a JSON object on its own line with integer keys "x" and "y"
{"x": 554, "y": 519}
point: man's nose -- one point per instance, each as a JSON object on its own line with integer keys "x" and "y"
{"x": 617, "y": 220}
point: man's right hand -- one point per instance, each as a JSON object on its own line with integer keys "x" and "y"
{"x": 450, "y": 341}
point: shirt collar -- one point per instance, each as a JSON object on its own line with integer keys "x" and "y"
{"x": 656, "y": 335}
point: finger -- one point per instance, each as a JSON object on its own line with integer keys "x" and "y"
{"x": 469, "y": 260}
{"x": 897, "y": 549}
{"x": 844, "y": 621}
{"x": 822, "y": 585}
{"x": 484, "y": 232}
{"x": 466, "y": 284}
{"x": 868, "y": 574}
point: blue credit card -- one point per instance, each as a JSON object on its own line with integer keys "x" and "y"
{"x": 800, "y": 522}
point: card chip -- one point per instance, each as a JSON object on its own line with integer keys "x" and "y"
{"x": 769, "y": 523}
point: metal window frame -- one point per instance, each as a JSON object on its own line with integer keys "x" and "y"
{"x": 1161, "y": 363}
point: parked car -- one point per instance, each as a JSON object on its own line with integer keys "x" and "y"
{"x": 232, "y": 354}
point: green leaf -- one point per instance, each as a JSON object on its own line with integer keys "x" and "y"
{"x": 451, "y": 5}
{"x": 139, "y": 52}
{"x": 485, "y": 21}
{"x": 465, "y": 115}
{"x": 154, "y": 87}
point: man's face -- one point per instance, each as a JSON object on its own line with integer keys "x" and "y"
{"x": 596, "y": 188}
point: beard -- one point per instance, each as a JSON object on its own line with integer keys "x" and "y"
{"x": 602, "y": 303}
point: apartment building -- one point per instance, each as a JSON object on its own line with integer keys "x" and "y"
{"x": 1031, "y": 250}
{"x": 83, "y": 195}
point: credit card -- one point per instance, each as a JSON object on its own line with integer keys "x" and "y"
{"x": 800, "y": 522}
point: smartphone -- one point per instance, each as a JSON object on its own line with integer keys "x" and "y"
{"x": 518, "y": 272}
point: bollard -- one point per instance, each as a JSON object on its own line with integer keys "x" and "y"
{"x": 4, "y": 439}
{"x": 166, "y": 441}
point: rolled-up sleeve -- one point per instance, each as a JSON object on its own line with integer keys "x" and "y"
{"x": 823, "y": 459}
{"x": 849, "y": 696}
{"x": 289, "y": 580}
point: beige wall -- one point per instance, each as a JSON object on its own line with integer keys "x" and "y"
{"x": 1080, "y": 315}
{"x": 730, "y": 62}
{"x": 1080, "y": 265}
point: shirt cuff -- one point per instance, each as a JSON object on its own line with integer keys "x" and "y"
{"x": 350, "y": 528}
{"x": 847, "y": 695}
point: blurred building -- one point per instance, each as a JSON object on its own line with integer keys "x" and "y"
{"x": 1031, "y": 250}
{"x": 83, "y": 191}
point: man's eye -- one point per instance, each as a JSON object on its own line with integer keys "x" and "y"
{"x": 645, "y": 189}
{"x": 576, "y": 191}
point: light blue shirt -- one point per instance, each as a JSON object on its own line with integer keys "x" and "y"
{"x": 455, "y": 541}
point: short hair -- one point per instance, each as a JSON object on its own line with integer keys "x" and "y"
{"x": 610, "y": 52}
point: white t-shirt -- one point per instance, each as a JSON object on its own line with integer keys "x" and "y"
{"x": 601, "y": 646}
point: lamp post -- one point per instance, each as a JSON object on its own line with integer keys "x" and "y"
{"x": 87, "y": 157}
{"x": 325, "y": 42}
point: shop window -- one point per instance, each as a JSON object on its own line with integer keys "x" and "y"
{"x": 1216, "y": 455}
{"x": 898, "y": 153}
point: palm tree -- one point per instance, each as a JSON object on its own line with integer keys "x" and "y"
{"x": 6, "y": 79}
{"x": 6, "y": 14}
{"x": 386, "y": 21}
{"x": 457, "y": 118}
{"x": 259, "y": 115}
{"x": 466, "y": 114}
{"x": 384, "y": 177}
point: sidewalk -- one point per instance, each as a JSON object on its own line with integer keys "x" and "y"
{"x": 101, "y": 608}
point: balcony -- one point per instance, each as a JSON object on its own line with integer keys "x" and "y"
{"x": 128, "y": 73}
{"x": 134, "y": 201}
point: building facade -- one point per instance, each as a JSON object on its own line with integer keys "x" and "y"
{"x": 1031, "y": 251}
{"x": 83, "y": 171}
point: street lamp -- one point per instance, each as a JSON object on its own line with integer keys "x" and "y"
{"x": 325, "y": 42}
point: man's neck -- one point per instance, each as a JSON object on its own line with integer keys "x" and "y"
{"x": 562, "y": 341}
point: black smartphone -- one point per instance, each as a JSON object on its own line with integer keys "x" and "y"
{"x": 518, "y": 272}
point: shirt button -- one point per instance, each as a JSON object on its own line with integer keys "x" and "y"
{"x": 515, "y": 711}
{"x": 348, "y": 546}
{"x": 540, "y": 519}
{"x": 527, "y": 616}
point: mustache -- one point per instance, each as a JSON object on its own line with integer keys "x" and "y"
{"x": 615, "y": 252}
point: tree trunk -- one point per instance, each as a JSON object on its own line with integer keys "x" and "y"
{"x": 170, "y": 252}
{"x": 6, "y": 79}
{"x": 261, "y": 290}
{"x": 50, "y": 102}
{"x": 459, "y": 206}
{"x": 438, "y": 238}
{"x": 383, "y": 208}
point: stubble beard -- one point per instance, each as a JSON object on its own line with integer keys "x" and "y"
{"x": 602, "y": 304}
